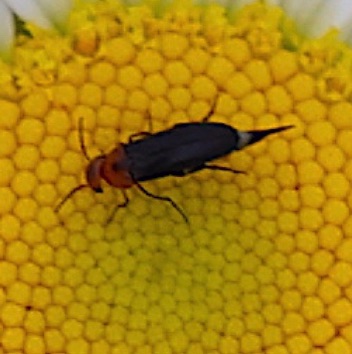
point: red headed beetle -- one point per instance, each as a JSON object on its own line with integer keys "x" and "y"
{"x": 183, "y": 149}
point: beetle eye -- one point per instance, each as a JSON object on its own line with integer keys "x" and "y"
{"x": 93, "y": 174}
{"x": 98, "y": 190}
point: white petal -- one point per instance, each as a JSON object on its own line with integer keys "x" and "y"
{"x": 315, "y": 17}
{"x": 329, "y": 14}
{"x": 337, "y": 14}
{"x": 304, "y": 11}
{"x": 56, "y": 11}
{"x": 7, "y": 30}
{"x": 30, "y": 11}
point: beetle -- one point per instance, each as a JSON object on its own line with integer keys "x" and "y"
{"x": 178, "y": 151}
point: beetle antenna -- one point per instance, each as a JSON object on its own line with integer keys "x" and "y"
{"x": 165, "y": 199}
{"x": 69, "y": 195}
{"x": 81, "y": 138}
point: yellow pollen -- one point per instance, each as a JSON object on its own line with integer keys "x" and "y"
{"x": 265, "y": 263}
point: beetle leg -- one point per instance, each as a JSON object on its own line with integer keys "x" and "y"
{"x": 209, "y": 114}
{"x": 222, "y": 168}
{"x": 166, "y": 199}
{"x": 138, "y": 136}
{"x": 118, "y": 206}
{"x": 211, "y": 111}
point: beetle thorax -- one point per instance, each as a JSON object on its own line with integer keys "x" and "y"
{"x": 115, "y": 169}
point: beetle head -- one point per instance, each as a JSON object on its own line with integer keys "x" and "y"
{"x": 93, "y": 173}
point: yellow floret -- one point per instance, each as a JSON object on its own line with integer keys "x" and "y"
{"x": 312, "y": 308}
{"x": 42, "y": 254}
{"x": 138, "y": 101}
{"x": 250, "y": 343}
{"x": 45, "y": 194}
{"x": 310, "y": 218}
{"x": 312, "y": 110}
{"x": 202, "y": 87}
{"x": 29, "y": 273}
{"x": 287, "y": 222}
{"x": 8, "y": 171}
{"x": 279, "y": 101}
{"x": 302, "y": 151}
{"x": 285, "y": 244}
{"x": 335, "y": 211}
{"x": 130, "y": 77}
{"x": 179, "y": 97}
{"x": 331, "y": 158}
{"x": 115, "y": 95}
{"x": 237, "y": 50}
{"x": 102, "y": 73}
{"x": 35, "y": 105}
{"x": 34, "y": 344}
{"x": 298, "y": 262}
{"x": 54, "y": 315}
{"x": 321, "y": 262}
{"x": 265, "y": 262}
{"x": 299, "y": 343}
{"x": 91, "y": 95}
{"x": 291, "y": 300}
{"x": 77, "y": 346}
{"x": 155, "y": 85}
{"x": 338, "y": 345}
{"x": 329, "y": 291}
{"x": 307, "y": 282}
{"x": 320, "y": 331}
{"x": 119, "y": 51}
{"x": 321, "y": 133}
{"x": 8, "y": 272}
{"x": 65, "y": 96}
{"x": 173, "y": 45}
{"x": 343, "y": 141}
{"x": 197, "y": 60}
{"x": 336, "y": 185}
{"x": 254, "y": 104}
{"x": 58, "y": 122}
{"x": 309, "y": 172}
{"x": 340, "y": 312}
{"x": 312, "y": 195}
{"x": 340, "y": 114}
{"x": 41, "y": 297}
{"x": 13, "y": 338}
{"x": 30, "y": 131}
{"x": 177, "y": 73}
{"x": 149, "y": 61}
{"x": 8, "y": 143}
{"x": 10, "y": 113}
{"x": 24, "y": 183}
{"x": 259, "y": 74}
{"x": 279, "y": 151}
{"x": 219, "y": 69}
{"x": 293, "y": 323}
{"x": 19, "y": 293}
{"x": 12, "y": 315}
{"x": 301, "y": 87}
{"x": 238, "y": 85}
{"x": 283, "y": 65}
{"x": 52, "y": 147}
{"x": 17, "y": 252}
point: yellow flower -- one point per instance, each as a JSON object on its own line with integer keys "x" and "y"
{"x": 265, "y": 265}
